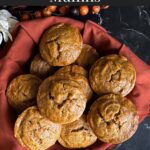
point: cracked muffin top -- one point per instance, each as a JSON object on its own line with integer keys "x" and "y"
{"x": 61, "y": 45}
{"x": 113, "y": 118}
{"x": 88, "y": 56}
{"x": 40, "y": 68}
{"x": 22, "y": 90}
{"x": 35, "y": 132}
{"x": 76, "y": 75}
{"x": 77, "y": 134}
{"x": 61, "y": 100}
{"x": 112, "y": 74}
{"x": 72, "y": 69}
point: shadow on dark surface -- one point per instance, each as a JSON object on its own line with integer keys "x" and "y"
{"x": 130, "y": 25}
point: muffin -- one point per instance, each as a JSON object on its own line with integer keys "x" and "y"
{"x": 61, "y": 101}
{"x": 22, "y": 90}
{"x": 113, "y": 118}
{"x": 77, "y": 134}
{"x": 88, "y": 56}
{"x": 61, "y": 45}
{"x": 76, "y": 73}
{"x": 72, "y": 69}
{"x": 40, "y": 68}
{"x": 112, "y": 74}
{"x": 83, "y": 82}
{"x": 35, "y": 132}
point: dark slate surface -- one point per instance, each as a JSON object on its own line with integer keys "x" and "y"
{"x": 130, "y": 25}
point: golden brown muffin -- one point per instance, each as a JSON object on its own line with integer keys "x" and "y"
{"x": 113, "y": 118}
{"x": 40, "y": 68}
{"x": 61, "y": 101}
{"x": 78, "y": 74}
{"x": 61, "y": 45}
{"x": 35, "y": 132}
{"x": 88, "y": 56}
{"x": 84, "y": 84}
{"x": 112, "y": 74}
{"x": 22, "y": 90}
{"x": 77, "y": 134}
{"x": 72, "y": 69}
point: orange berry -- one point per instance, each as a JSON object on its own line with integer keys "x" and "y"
{"x": 38, "y": 14}
{"x": 52, "y": 8}
{"x": 64, "y": 10}
{"x": 25, "y": 16}
{"x": 46, "y": 12}
{"x": 95, "y": 9}
{"x": 84, "y": 10}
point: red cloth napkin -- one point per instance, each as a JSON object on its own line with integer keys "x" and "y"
{"x": 15, "y": 55}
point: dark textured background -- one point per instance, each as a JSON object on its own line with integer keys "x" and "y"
{"x": 130, "y": 25}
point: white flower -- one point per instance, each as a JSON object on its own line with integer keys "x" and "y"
{"x": 7, "y": 23}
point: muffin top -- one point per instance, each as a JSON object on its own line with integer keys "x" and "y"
{"x": 22, "y": 90}
{"x": 72, "y": 69}
{"x": 61, "y": 44}
{"x": 35, "y": 132}
{"x": 112, "y": 74}
{"x": 77, "y": 134}
{"x": 88, "y": 56}
{"x": 39, "y": 67}
{"x": 113, "y": 118}
{"x": 83, "y": 82}
{"x": 78, "y": 77}
{"x": 61, "y": 101}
